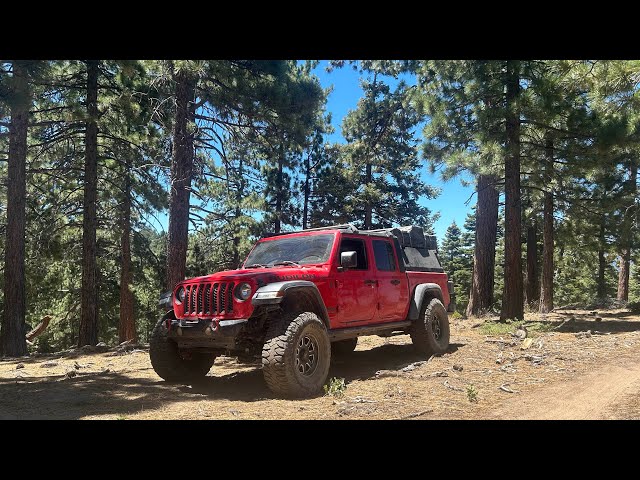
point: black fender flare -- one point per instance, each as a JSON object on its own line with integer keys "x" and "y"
{"x": 278, "y": 292}
{"x": 421, "y": 292}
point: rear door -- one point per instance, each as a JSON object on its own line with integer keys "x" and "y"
{"x": 392, "y": 284}
{"x": 356, "y": 287}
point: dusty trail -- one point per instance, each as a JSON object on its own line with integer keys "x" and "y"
{"x": 563, "y": 374}
{"x": 609, "y": 392}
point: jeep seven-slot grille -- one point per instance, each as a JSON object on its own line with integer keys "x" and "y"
{"x": 205, "y": 299}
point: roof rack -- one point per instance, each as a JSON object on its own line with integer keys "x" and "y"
{"x": 345, "y": 226}
{"x": 349, "y": 228}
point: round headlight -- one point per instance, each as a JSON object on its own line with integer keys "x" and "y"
{"x": 180, "y": 294}
{"x": 243, "y": 291}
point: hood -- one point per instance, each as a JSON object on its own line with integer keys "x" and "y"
{"x": 265, "y": 275}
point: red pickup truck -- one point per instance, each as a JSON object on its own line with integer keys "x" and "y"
{"x": 301, "y": 298}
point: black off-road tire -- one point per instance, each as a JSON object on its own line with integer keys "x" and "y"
{"x": 344, "y": 347}
{"x": 283, "y": 346}
{"x": 430, "y": 332}
{"x": 169, "y": 364}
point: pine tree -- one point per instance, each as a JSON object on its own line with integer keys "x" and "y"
{"x": 464, "y": 103}
{"x": 455, "y": 255}
{"x": 381, "y": 158}
{"x": 13, "y": 342}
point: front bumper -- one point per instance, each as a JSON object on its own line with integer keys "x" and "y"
{"x": 205, "y": 333}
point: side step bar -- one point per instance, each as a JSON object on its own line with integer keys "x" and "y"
{"x": 345, "y": 333}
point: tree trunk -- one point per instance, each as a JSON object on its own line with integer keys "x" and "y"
{"x": 88, "y": 334}
{"x": 279, "y": 193}
{"x": 181, "y": 173}
{"x": 238, "y": 213}
{"x": 307, "y": 192}
{"x": 512, "y": 299}
{"x": 627, "y": 236}
{"x": 601, "y": 288}
{"x": 623, "y": 274}
{"x": 533, "y": 290}
{"x": 127, "y": 326}
{"x": 546, "y": 290}
{"x": 368, "y": 208}
{"x": 13, "y": 341}
{"x": 484, "y": 253}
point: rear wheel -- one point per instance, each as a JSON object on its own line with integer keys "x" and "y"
{"x": 296, "y": 355}
{"x": 171, "y": 364}
{"x": 344, "y": 347}
{"x": 430, "y": 332}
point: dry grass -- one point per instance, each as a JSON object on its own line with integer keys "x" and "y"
{"x": 486, "y": 357}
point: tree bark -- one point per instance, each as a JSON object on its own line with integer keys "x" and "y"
{"x": 623, "y": 274}
{"x": 484, "y": 253}
{"x": 88, "y": 334}
{"x": 533, "y": 290}
{"x": 279, "y": 193}
{"x": 238, "y": 213}
{"x": 13, "y": 341}
{"x": 181, "y": 173}
{"x": 307, "y": 192}
{"x": 546, "y": 289}
{"x": 627, "y": 236}
{"x": 127, "y": 326}
{"x": 601, "y": 287}
{"x": 368, "y": 208}
{"x": 512, "y": 299}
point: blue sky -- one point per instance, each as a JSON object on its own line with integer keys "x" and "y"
{"x": 344, "y": 97}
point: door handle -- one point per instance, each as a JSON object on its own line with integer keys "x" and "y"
{"x": 370, "y": 282}
{"x": 395, "y": 282}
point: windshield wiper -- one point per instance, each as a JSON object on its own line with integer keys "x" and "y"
{"x": 287, "y": 262}
{"x": 257, "y": 265}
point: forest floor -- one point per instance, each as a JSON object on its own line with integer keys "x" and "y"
{"x": 574, "y": 364}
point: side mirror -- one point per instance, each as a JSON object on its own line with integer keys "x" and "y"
{"x": 348, "y": 259}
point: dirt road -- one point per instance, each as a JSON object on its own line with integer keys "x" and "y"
{"x": 563, "y": 373}
{"x": 609, "y": 392}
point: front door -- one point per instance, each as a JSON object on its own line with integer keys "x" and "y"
{"x": 356, "y": 287}
{"x": 393, "y": 288}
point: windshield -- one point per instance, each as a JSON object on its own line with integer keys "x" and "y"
{"x": 300, "y": 250}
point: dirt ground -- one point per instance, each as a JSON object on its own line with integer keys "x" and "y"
{"x": 558, "y": 372}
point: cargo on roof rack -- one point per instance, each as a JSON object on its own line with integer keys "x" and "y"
{"x": 419, "y": 251}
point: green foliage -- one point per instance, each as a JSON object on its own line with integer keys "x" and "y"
{"x": 456, "y": 256}
{"x": 472, "y": 394}
{"x": 335, "y": 388}
{"x": 378, "y": 168}
{"x": 507, "y": 328}
{"x": 261, "y": 155}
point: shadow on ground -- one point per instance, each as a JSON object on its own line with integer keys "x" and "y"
{"x": 57, "y": 397}
{"x": 360, "y": 365}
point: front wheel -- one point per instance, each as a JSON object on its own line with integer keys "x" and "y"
{"x": 296, "y": 355}
{"x": 171, "y": 364}
{"x": 430, "y": 332}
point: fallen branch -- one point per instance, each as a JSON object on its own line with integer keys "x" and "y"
{"x": 39, "y": 328}
{"x": 505, "y": 388}
{"x": 511, "y": 343}
{"x": 388, "y": 373}
{"x": 414, "y": 415}
{"x": 566, "y": 307}
{"x": 451, "y": 387}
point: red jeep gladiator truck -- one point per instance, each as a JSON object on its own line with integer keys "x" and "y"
{"x": 302, "y": 297}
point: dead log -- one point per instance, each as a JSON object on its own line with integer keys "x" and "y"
{"x": 41, "y": 327}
